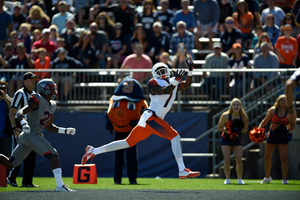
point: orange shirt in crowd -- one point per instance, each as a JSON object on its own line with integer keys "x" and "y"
{"x": 45, "y": 65}
{"x": 287, "y": 49}
{"x": 280, "y": 3}
{"x": 245, "y": 19}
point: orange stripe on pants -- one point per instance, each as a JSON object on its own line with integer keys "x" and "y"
{"x": 154, "y": 125}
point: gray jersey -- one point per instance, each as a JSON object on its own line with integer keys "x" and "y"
{"x": 38, "y": 118}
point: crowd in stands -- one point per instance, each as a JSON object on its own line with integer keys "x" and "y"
{"x": 40, "y": 34}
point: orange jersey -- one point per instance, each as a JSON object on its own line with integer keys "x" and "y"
{"x": 245, "y": 20}
{"x": 45, "y": 65}
{"x": 287, "y": 48}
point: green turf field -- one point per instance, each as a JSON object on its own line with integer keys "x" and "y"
{"x": 160, "y": 184}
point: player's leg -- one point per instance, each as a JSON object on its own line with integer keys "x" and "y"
{"x": 226, "y": 150}
{"x": 161, "y": 128}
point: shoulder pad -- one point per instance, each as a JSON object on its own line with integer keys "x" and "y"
{"x": 34, "y": 97}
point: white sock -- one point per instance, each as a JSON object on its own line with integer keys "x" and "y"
{"x": 58, "y": 177}
{"x": 113, "y": 146}
{"x": 176, "y": 148}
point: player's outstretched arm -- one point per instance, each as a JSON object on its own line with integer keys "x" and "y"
{"x": 53, "y": 128}
{"x": 187, "y": 83}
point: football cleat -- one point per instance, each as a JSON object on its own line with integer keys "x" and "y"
{"x": 240, "y": 182}
{"x": 227, "y": 181}
{"x": 266, "y": 180}
{"x": 64, "y": 189}
{"x": 88, "y": 154}
{"x": 187, "y": 173}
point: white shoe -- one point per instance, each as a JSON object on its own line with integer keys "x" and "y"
{"x": 240, "y": 182}
{"x": 88, "y": 154}
{"x": 64, "y": 189}
{"x": 284, "y": 181}
{"x": 266, "y": 180}
{"x": 187, "y": 173}
{"x": 227, "y": 181}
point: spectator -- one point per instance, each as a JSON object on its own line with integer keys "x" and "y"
{"x": 253, "y": 6}
{"x": 123, "y": 13}
{"x": 258, "y": 32}
{"x": 184, "y": 36}
{"x": 28, "y": 6}
{"x": 43, "y": 62}
{"x": 165, "y": 58}
{"x": 244, "y": 20}
{"x": 206, "y": 14}
{"x": 95, "y": 9}
{"x": 100, "y": 42}
{"x": 186, "y": 15}
{"x": 82, "y": 9}
{"x": 36, "y": 36}
{"x": 264, "y": 60}
{"x": 105, "y": 23}
{"x": 84, "y": 51}
{"x": 5, "y": 24}
{"x": 13, "y": 37}
{"x": 53, "y": 33}
{"x": 45, "y": 42}
{"x": 117, "y": 47}
{"x": 5, "y": 128}
{"x": 275, "y": 11}
{"x": 18, "y": 17}
{"x": 70, "y": 34}
{"x": 158, "y": 43}
{"x": 215, "y": 60}
{"x": 20, "y": 61}
{"x": 287, "y": 48}
{"x": 290, "y": 19}
{"x": 263, "y": 38}
{"x": 138, "y": 60}
{"x": 65, "y": 80}
{"x": 60, "y": 18}
{"x": 178, "y": 60}
{"x": 166, "y": 16}
{"x": 271, "y": 29}
{"x": 60, "y": 43}
{"x": 230, "y": 36}
{"x": 8, "y": 52}
{"x": 55, "y": 5}
{"x": 296, "y": 11}
{"x": 147, "y": 17}
{"x": 25, "y": 37}
{"x": 139, "y": 36}
{"x": 285, "y": 5}
{"x": 239, "y": 60}
{"x": 225, "y": 10}
{"x": 37, "y": 18}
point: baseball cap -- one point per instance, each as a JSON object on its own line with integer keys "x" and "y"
{"x": 29, "y": 75}
{"x": 62, "y": 3}
{"x": 17, "y": 5}
{"x": 45, "y": 30}
{"x": 135, "y": 96}
{"x": 3, "y": 81}
{"x": 61, "y": 50}
{"x": 70, "y": 19}
{"x": 157, "y": 24}
{"x": 236, "y": 45}
{"x": 287, "y": 27}
{"x": 7, "y": 45}
{"x": 217, "y": 45}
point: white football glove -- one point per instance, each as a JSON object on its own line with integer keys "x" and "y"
{"x": 70, "y": 131}
{"x": 25, "y": 126}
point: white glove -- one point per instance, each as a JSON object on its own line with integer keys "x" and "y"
{"x": 70, "y": 131}
{"x": 25, "y": 126}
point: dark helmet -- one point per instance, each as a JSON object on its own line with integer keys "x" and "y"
{"x": 47, "y": 87}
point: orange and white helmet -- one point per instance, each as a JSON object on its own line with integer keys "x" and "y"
{"x": 161, "y": 70}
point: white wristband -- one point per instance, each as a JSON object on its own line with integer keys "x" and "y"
{"x": 61, "y": 130}
{"x": 190, "y": 73}
{"x": 23, "y": 122}
{"x": 174, "y": 82}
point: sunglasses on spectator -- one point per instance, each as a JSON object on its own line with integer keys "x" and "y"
{"x": 288, "y": 18}
{"x": 229, "y": 22}
{"x": 52, "y": 29}
{"x": 102, "y": 18}
{"x": 180, "y": 27}
{"x": 148, "y": 3}
{"x": 93, "y": 27}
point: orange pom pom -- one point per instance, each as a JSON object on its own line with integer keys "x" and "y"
{"x": 257, "y": 135}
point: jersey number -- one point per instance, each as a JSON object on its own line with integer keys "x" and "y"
{"x": 166, "y": 103}
{"x": 43, "y": 121}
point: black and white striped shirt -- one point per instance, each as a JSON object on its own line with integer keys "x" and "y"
{"x": 20, "y": 98}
